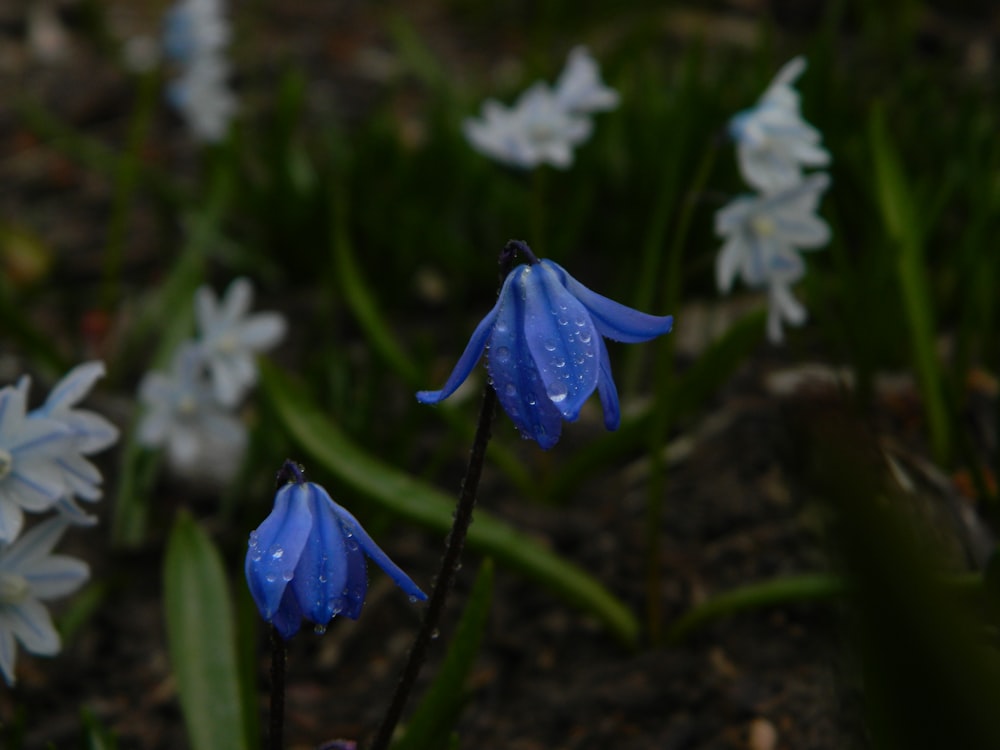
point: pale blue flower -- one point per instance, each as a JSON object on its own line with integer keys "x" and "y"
{"x": 29, "y": 575}
{"x": 194, "y": 38}
{"x": 182, "y": 415}
{"x": 230, "y": 338}
{"x": 33, "y": 453}
{"x": 580, "y": 89}
{"x": 537, "y": 130}
{"x": 546, "y": 123}
{"x": 763, "y": 237}
{"x": 773, "y": 142}
{"x": 546, "y": 351}
{"x": 307, "y": 559}
{"x": 90, "y": 433}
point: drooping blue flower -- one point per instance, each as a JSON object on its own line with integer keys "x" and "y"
{"x": 307, "y": 559}
{"x": 546, "y": 353}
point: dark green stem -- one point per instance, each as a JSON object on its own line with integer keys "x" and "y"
{"x": 275, "y": 738}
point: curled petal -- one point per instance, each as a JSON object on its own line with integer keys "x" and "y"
{"x": 276, "y": 546}
{"x": 607, "y": 391}
{"x": 321, "y": 574}
{"x": 473, "y": 351}
{"x": 562, "y": 340}
{"x": 513, "y": 371}
{"x": 613, "y": 319}
{"x": 368, "y": 546}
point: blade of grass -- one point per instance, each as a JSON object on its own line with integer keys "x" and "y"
{"x": 201, "y": 638}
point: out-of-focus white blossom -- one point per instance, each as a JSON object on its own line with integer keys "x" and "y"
{"x": 183, "y": 416}
{"x": 763, "y": 236}
{"x": 194, "y": 38}
{"x": 773, "y": 142}
{"x": 29, "y": 575}
{"x": 231, "y": 337}
{"x": 546, "y": 123}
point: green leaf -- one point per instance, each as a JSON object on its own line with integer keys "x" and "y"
{"x": 416, "y": 501}
{"x": 201, "y": 638}
{"x": 900, "y": 214}
{"x": 96, "y": 736}
{"x": 431, "y": 724}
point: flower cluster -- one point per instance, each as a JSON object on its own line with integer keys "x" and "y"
{"x": 307, "y": 559}
{"x": 44, "y": 467}
{"x": 545, "y": 338}
{"x": 195, "y": 35}
{"x": 547, "y": 122}
{"x": 764, "y": 233}
{"x": 191, "y": 410}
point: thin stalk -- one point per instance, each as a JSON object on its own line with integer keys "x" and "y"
{"x": 450, "y": 563}
{"x": 276, "y": 721}
{"x": 446, "y": 576}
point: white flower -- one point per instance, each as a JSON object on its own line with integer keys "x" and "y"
{"x": 194, "y": 38}
{"x": 773, "y": 141}
{"x": 579, "y": 88}
{"x": 545, "y": 124}
{"x": 30, "y": 574}
{"x": 89, "y": 433}
{"x": 230, "y": 338}
{"x": 764, "y": 235}
{"x": 33, "y": 450}
{"x": 537, "y": 130}
{"x": 183, "y": 415}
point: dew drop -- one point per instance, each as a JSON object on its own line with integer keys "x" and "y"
{"x": 413, "y": 599}
{"x": 501, "y": 326}
{"x": 287, "y": 575}
{"x": 319, "y": 629}
{"x": 322, "y": 579}
{"x": 352, "y": 545}
{"x": 510, "y": 390}
{"x": 550, "y": 345}
{"x": 502, "y": 354}
{"x": 559, "y": 362}
{"x": 585, "y": 336}
{"x": 270, "y": 578}
{"x": 557, "y": 391}
{"x": 277, "y": 552}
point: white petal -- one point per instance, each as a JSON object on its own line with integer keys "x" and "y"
{"x": 56, "y": 576}
{"x": 8, "y": 650}
{"x": 31, "y": 624}
{"x": 74, "y": 386}
{"x": 262, "y": 331}
{"x": 36, "y": 544}
{"x": 237, "y": 302}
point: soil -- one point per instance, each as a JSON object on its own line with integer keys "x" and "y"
{"x": 547, "y": 678}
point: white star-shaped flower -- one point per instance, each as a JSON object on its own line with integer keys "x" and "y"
{"x": 33, "y": 452}
{"x": 183, "y": 415}
{"x": 29, "y": 575}
{"x": 230, "y": 338}
{"x": 773, "y": 142}
{"x": 763, "y": 236}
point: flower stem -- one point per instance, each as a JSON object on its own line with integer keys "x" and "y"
{"x": 277, "y": 718}
{"x": 450, "y": 562}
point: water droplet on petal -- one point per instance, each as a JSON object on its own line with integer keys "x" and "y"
{"x": 277, "y": 552}
{"x": 319, "y": 629}
{"x": 559, "y": 362}
{"x": 270, "y": 578}
{"x": 550, "y": 345}
{"x": 557, "y": 391}
{"x": 287, "y": 575}
{"x": 510, "y": 390}
{"x": 502, "y": 354}
{"x": 413, "y": 599}
{"x": 585, "y": 336}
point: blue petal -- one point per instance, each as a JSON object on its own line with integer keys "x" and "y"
{"x": 353, "y": 596}
{"x": 288, "y": 617}
{"x": 473, "y": 351}
{"x": 607, "y": 391}
{"x": 321, "y": 573}
{"x": 615, "y": 320}
{"x": 368, "y": 546}
{"x": 275, "y": 548}
{"x": 562, "y": 340}
{"x": 512, "y": 368}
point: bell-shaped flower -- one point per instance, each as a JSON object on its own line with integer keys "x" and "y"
{"x": 201, "y": 437}
{"x": 230, "y": 337}
{"x": 91, "y": 433}
{"x": 537, "y": 130}
{"x": 33, "y": 453}
{"x": 580, "y": 89}
{"x": 763, "y": 236}
{"x": 29, "y": 575}
{"x": 546, "y": 351}
{"x": 773, "y": 141}
{"x": 307, "y": 559}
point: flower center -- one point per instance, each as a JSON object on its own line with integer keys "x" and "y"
{"x": 227, "y": 344}
{"x": 187, "y": 405}
{"x": 6, "y": 463}
{"x": 763, "y": 226}
{"x": 14, "y": 588}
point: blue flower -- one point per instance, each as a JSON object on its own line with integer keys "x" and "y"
{"x": 307, "y": 560}
{"x": 545, "y": 337}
